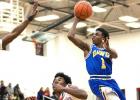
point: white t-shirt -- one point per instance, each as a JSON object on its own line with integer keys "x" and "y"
{"x": 0, "y": 44}
{"x": 67, "y": 96}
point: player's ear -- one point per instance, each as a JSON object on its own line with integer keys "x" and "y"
{"x": 107, "y": 39}
{"x": 103, "y": 40}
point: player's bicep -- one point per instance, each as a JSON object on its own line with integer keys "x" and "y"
{"x": 84, "y": 46}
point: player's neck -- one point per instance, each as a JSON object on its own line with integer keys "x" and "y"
{"x": 99, "y": 45}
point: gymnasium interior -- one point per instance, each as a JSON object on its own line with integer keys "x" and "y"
{"x": 33, "y": 64}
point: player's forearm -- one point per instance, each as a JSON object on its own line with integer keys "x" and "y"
{"x": 72, "y": 32}
{"x": 19, "y": 29}
{"x": 78, "y": 93}
{"x": 11, "y": 36}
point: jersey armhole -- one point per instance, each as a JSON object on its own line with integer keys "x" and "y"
{"x": 91, "y": 46}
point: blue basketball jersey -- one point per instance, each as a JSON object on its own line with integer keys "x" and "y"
{"x": 98, "y": 61}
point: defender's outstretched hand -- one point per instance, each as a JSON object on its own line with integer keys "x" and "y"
{"x": 19, "y": 29}
{"x": 34, "y": 11}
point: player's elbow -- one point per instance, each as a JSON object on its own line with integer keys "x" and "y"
{"x": 114, "y": 56}
{"x": 70, "y": 36}
{"x": 84, "y": 96}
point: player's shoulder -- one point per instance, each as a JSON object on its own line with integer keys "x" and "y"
{"x": 92, "y": 46}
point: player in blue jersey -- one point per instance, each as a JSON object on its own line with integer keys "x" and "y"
{"x": 98, "y": 59}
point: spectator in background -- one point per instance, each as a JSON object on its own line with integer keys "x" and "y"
{"x": 40, "y": 94}
{"x": 10, "y": 91}
{"x": 17, "y": 93}
{"x": 3, "y": 91}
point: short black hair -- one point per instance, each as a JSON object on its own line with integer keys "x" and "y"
{"x": 67, "y": 79}
{"x": 104, "y": 32}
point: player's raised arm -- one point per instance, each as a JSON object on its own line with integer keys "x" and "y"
{"x": 19, "y": 29}
{"x": 71, "y": 35}
{"x": 80, "y": 13}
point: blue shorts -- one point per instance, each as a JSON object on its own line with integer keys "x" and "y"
{"x": 96, "y": 83}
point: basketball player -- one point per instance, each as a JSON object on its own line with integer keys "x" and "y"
{"x": 98, "y": 59}
{"x": 63, "y": 90}
{"x": 18, "y": 30}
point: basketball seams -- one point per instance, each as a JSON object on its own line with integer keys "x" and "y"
{"x": 77, "y": 9}
{"x": 81, "y": 13}
{"x": 89, "y": 9}
{"x": 83, "y": 10}
{"x": 86, "y": 9}
{"x": 89, "y": 12}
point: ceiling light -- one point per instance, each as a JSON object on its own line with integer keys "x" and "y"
{"x": 98, "y": 9}
{"x": 47, "y": 18}
{"x": 92, "y": 30}
{"x": 5, "y": 5}
{"x": 128, "y": 18}
{"x": 79, "y": 25}
{"x": 133, "y": 24}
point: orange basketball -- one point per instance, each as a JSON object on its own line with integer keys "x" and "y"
{"x": 83, "y": 9}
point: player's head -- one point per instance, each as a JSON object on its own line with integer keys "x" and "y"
{"x": 62, "y": 79}
{"x": 100, "y": 35}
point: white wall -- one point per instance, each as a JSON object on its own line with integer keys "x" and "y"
{"x": 32, "y": 72}
{"x": 126, "y": 67}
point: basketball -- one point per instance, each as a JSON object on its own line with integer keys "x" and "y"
{"x": 83, "y": 10}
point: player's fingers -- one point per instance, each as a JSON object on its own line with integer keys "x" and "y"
{"x": 35, "y": 5}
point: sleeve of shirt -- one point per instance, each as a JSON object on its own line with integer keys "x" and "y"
{"x": 69, "y": 97}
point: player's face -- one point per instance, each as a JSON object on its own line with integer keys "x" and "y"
{"x": 59, "y": 80}
{"x": 97, "y": 37}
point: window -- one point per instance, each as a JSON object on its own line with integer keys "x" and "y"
{"x": 39, "y": 49}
